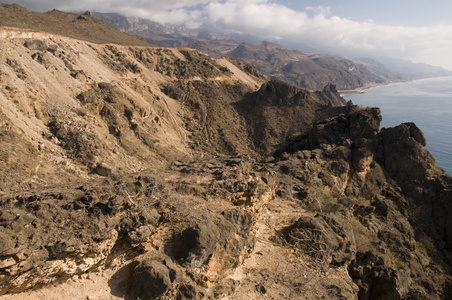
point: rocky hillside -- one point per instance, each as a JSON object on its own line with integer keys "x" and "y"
{"x": 305, "y": 70}
{"x": 137, "y": 172}
{"x": 78, "y": 26}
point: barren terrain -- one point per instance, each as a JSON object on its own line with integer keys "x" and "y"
{"x": 153, "y": 173}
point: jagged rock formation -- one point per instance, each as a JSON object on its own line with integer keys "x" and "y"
{"x": 154, "y": 173}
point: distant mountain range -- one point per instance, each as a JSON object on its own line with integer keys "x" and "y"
{"x": 303, "y": 69}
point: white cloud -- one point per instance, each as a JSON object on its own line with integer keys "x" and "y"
{"x": 319, "y": 28}
{"x": 319, "y": 10}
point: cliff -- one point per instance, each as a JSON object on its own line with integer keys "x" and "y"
{"x": 154, "y": 173}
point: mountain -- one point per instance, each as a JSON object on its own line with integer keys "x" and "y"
{"x": 302, "y": 69}
{"x": 169, "y": 35}
{"x": 415, "y": 69}
{"x": 381, "y": 71}
{"x": 144, "y": 172}
{"x": 305, "y": 70}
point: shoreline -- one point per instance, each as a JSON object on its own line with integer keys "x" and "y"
{"x": 361, "y": 90}
{"x": 367, "y": 86}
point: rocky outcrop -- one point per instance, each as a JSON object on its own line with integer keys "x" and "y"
{"x": 261, "y": 110}
{"x": 309, "y": 211}
{"x": 392, "y": 168}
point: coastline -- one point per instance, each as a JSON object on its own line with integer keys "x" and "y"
{"x": 426, "y": 102}
{"x": 370, "y": 85}
{"x": 361, "y": 90}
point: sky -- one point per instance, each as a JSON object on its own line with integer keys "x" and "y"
{"x": 417, "y": 30}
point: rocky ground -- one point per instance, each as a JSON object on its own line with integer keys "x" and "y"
{"x": 154, "y": 173}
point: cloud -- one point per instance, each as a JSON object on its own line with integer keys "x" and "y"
{"x": 100, "y": 5}
{"x": 317, "y": 27}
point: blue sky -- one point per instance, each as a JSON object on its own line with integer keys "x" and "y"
{"x": 385, "y": 12}
{"x": 416, "y": 30}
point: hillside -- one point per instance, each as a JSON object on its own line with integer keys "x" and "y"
{"x": 78, "y": 26}
{"x": 304, "y": 70}
{"x": 139, "y": 172}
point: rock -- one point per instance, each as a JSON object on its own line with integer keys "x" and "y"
{"x": 52, "y": 48}
{"x": 365, "y": 123}
{"x": 225, "y": 288}
{"x": 448, "y": 229}
{"x": 218, "y": 243}
{"x": 35, "y": 45}
{"x": 389, "y": 284}
{"x": 102, "y": 169}
{"x": 150, "y": 280}
{"x": 139, "y": 235}
{"x": 307, "y": 154}
{"x": 331, "y": 92}
{"x": 314, "y": 236}
{"x": 79, "y": 75}
{"x": 361, "y": 159}
{"x": 195, "y": 245}
{"x": 233, "y": 162}
{"x": 186, "y": 292}
{"x": 7, "y": 263}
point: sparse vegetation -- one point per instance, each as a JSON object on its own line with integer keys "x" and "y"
{"x": 425, "y": 244}
{"x": 398, "y": 263}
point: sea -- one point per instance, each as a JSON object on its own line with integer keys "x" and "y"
{"x": 426, "y": 102}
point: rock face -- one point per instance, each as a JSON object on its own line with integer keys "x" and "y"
{"x": 170, "y": 175}
{"x": 394, "y": 154}
{"x": 262, "y": 110}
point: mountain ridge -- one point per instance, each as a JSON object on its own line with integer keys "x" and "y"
{"x": 219, "y": 44}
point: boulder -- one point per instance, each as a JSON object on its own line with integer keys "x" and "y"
{"x": 150, "y": 280}
{"x": 217, "y": 242}
{"x": 102, "y": 169}
{"x": 35, "y": 45}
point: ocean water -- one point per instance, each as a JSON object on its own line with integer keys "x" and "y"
{"x": 426, "y": 102}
